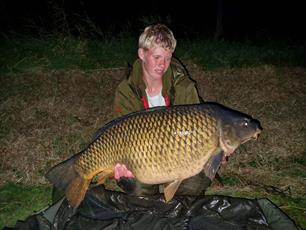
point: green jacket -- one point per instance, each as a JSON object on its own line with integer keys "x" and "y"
{"x": 178, "y": 89}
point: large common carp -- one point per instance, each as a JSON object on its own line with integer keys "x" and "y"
{"x": 160, "y": 145}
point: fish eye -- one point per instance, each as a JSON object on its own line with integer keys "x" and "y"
{"x": 245, "y": 122}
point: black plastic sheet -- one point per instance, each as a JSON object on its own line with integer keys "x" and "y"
{"x": 103, "y": 209}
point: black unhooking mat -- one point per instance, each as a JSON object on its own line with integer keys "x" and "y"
{"x": 103, "y": 209}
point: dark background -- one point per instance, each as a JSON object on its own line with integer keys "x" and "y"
{"x": 241, "y": 20}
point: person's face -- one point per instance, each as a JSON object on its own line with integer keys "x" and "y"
{"x": 155, "y": 61}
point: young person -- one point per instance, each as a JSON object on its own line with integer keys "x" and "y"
{"x": 156, "y": 79}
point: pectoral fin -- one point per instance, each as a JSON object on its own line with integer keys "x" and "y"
{"x": 212, "y": 165}
{"x": 170, "y": 189}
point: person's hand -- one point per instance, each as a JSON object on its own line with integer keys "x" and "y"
{"x": 125, "y": 178}
{"x": 122, "y": 171}
{"x": 129, "y": 184}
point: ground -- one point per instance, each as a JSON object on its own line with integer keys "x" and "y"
{"x": 47, "y": 116}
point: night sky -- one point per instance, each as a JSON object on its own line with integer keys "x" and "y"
{"x": 249, "y": 19}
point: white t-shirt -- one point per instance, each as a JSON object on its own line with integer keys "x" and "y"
{"x": 157, "y": 100}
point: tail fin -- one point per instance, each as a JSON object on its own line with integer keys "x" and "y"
{"x": 63, "y": 173}
{"x": 76, "y": 191}
{"x": 64, "y": 177}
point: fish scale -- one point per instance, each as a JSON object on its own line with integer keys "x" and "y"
{"x": 138, "y": 131}
{"x": 160, "y": 145}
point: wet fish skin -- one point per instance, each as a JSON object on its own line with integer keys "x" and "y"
{"x": 161, "y": 145}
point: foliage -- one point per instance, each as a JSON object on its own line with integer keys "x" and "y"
{"x": 218, "y": 54}
{"x": 62, "y": 52}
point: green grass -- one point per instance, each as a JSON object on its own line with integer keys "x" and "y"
{"x": 212, "y": 54}
{"x": 18, "y": 202}
{"x": 66, "y": 53}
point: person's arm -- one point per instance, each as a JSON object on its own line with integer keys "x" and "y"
{"x": 125, "y": 101}
{"x": 186, "y": 91}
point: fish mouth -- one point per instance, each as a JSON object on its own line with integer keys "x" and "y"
{"x": 229, "y": 148}
{"x": 257, "y": 133}
{"x": 255, "y": 136}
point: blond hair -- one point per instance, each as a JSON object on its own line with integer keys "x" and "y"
{"x": 157, "y": 35}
